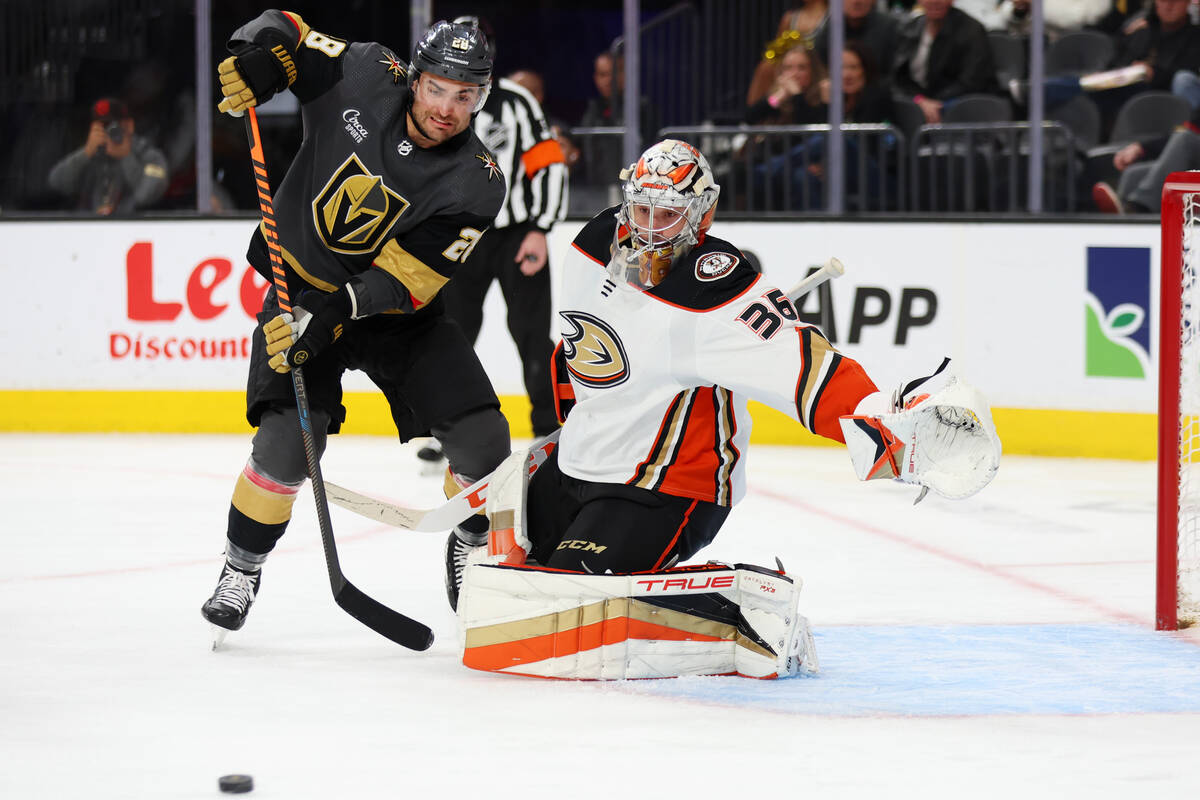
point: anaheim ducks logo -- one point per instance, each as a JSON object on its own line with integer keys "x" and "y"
{"x": 712, "y": 266}
{"x": 593, "y": 351}
{"x": 355, "y": 210}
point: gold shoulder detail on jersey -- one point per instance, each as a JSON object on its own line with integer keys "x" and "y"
{"x": 489, "y": 163}
{"x": 421, "y": 280}
{"x": 394, "y": 66}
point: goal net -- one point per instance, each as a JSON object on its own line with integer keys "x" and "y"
{"x": 1178, "y": 593}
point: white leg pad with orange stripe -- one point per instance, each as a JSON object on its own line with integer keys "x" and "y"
{"x": 710, "y": 620}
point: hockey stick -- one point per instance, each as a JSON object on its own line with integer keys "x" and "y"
{"x": 395, "y": 626}
{"x": 467, "y": 502}
{"x": 830, "y": 269}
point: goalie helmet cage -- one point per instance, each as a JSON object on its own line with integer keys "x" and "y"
{"x": 1178, "y": 571}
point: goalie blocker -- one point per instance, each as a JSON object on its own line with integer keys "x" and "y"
{"x": 714, "y": 619}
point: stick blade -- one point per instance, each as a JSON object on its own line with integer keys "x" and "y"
{"x": 404, "y": 631}
{"x": 373, "y": 509}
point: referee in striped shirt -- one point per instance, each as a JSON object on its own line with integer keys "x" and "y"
{"x": 513, "y": 251}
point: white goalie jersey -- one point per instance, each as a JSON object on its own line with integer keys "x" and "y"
{"x": 654, "y": 384}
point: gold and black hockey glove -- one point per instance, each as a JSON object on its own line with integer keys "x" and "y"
{"x": 252, "y": 76}
{"x": 292, "y": 340}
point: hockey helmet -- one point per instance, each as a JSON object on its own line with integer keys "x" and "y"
{"x": 669, "y": 198}
{"x": 455, "y": 51}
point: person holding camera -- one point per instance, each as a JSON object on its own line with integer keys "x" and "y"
{"x": 115, "y": 171}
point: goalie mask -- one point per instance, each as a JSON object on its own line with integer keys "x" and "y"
{"x": 456, "y": 51}
{"x": 669, "y": 198}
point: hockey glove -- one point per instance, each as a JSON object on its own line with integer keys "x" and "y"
{"x": 293, "y": 340}
{"x": 936, "y": 434}
{"x": 253, "y": 75}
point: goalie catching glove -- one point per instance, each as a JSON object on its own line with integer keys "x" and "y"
{"x": 936, "y": 432}
{"x": 294, "y": 339}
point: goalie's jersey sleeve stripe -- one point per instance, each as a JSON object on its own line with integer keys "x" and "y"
{"x": 509, "y": 645}
{"x": 693, "y": 454}
{"x": 829, "y": 387}
{"x": 564, "y": 390}
{"x": 422, "y": 281}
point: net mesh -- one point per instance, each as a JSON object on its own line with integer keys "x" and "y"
{"x": 1189, "y": 420}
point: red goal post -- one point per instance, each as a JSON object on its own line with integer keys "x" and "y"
{"x": 1178, "y": 572}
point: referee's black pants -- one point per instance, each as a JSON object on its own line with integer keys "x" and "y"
{"x": 528, "y": 302}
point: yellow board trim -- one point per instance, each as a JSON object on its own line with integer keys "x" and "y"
{"x": 1023, "y": 431}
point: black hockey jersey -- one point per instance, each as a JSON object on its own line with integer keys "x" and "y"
{"x": 360, "y": 198}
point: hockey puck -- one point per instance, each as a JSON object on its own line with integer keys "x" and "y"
{"x": 235, "y": 784}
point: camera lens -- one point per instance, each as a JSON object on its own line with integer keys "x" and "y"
{"x": 115, "y": 133}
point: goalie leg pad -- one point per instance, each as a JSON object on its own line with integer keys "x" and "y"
{"x": 711, "y": 620}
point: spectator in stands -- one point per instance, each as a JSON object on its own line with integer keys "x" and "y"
{"x": 794, "y": 96}
{"x": 867, "y": 98}
{"x": 1145, "y": 165}
{"x": 943, "y": 54}
{"x": 115, "y": 171}
{"x": 1060, "y": 16}
{"x": 797, "y": 26}
{"x": 1150, "y": 52}
{"x": 985, "y": 12}
{"x": 602, "y": 155}
{"x": 879, "y": 32}
{"x": 1186, "y": 84}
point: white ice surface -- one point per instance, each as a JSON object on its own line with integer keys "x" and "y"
{"x": 996, "y": 647}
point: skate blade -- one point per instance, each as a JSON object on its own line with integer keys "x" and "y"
{"x": 218, "y": 634}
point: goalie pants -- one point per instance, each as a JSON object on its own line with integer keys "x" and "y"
{"x": 427, "y": 371}
{"x": 581, "y": 526}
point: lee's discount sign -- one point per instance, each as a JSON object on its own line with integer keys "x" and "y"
{"x": 199, "y": 299}
{"x": 130, "y": 305}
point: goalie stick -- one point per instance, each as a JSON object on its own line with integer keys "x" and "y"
{"x": 395, "y": 626}
{"x": 467, "y": 502}
{"x": 830, "y": 269}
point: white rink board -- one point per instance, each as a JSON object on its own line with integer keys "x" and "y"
{"x": 1010, "y": 303}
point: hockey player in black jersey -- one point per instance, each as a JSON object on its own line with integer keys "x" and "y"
{"x": 386, "y": 197}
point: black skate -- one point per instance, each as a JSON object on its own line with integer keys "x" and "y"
{"x": 432, "y": 458}
{"x": 457, "y": 551}
{"x": 231, "y": 601}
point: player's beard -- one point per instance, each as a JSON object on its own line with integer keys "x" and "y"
{"x": 425, "y": 121}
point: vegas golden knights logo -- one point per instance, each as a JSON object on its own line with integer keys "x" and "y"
{"x": 593, "y": 351}
{"x": 355, "y": 210}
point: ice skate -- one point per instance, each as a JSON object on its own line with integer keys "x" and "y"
{"x": 457, "y": 551}
{"x": 226, "y": 610}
